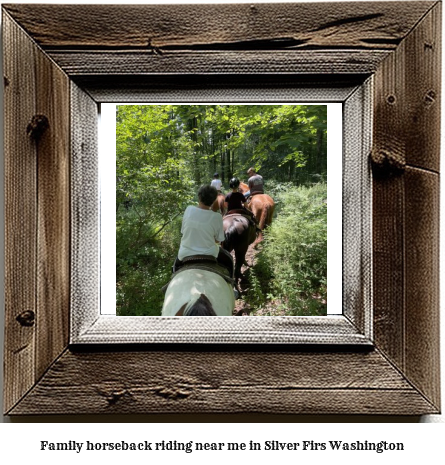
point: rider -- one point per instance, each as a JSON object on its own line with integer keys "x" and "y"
{"x": 216, "y": 182}
{"x": 202, "y": 230}
{"x": 235, "y": 200}
{"x": 255, "y": 183}
{"x": 201, "y": 227}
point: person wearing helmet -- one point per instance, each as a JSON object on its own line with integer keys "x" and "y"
{"x": 234, "y": 200}
{"x": 216, "y": 182}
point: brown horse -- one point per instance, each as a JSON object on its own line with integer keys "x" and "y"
{"x": 218, "y": 204}
{"x": 239, "y": 233}
{"x": 262, "y": 206}
{"x": 243, "y": 188}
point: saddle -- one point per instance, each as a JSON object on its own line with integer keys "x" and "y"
{"x": 239, "y": 211}
{"x": 251, "y": 194}
{"x": 223, "y": 266}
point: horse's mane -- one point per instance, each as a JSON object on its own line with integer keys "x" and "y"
{"x": 199, "y": 307}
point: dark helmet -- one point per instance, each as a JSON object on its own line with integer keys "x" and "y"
{"x": 234, "y": 182}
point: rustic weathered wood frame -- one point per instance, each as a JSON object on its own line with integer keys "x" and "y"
{"x": 75, "y": 56}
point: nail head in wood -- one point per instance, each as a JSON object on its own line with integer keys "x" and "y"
{"x": 430, "y": 97}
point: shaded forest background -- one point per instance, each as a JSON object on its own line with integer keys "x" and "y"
{"x": 165, "y": 152}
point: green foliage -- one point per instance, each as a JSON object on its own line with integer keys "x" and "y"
{"x": 293, "y": 260}
{"x": 141, "y": 276}
{"x": 165, "y": 152}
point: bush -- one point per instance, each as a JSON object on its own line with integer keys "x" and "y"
{"x": 294, "y": 254}
{"x": 142, "y": 273}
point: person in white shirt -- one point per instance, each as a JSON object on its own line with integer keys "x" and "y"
{"x": 201, "y": 230}
{"x": 216, "y": 182}
{"x": 201, "y": 227}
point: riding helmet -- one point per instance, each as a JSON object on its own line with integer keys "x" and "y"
{"x": 234, "y": 182}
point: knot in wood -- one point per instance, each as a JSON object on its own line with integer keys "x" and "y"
{"x": 172, "y": 393}
{"x": 37, "y": 126}
{"x": 114, "y": 397}
{"x": 26, "y": 318}
{"x": 387, "y": 163}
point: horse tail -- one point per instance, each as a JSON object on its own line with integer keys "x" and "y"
{"x": 262, "y": 221}
{"x": 199, "y": 307}
{"x": 230, "y": 237}
{"x": 269, "y": 217}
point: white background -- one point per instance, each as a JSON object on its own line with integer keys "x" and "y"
{"x": 20, "y": 438}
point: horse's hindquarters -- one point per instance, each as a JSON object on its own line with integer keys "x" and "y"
{"x": 188, "y": 285}
{"x": 262, "y": 206}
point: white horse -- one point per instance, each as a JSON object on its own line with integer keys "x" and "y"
{"x": 197, "y": 292}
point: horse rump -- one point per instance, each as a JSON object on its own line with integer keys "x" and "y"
{"x": 201, "y": 307}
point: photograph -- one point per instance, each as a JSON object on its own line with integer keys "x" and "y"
{"x": 232, "y": 199}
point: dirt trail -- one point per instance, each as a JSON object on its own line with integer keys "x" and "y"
{"x": 271, "y": 308}
{"x": 241, "y": 308}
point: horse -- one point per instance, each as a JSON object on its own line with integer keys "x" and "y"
{"x": 218, "y": 204}
{"x": 198, "y": 292}
{"x": 243, "y": 187}
{"x": 262, "y": 206}
{"x": 239, "y": 232}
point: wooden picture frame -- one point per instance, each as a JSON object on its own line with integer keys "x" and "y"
{"x": 57, "y": 70}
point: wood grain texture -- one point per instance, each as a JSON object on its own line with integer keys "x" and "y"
{"x": 38, "y": 218}
{"x": 160, "y": 27}
{"x": 388, "y": 199}
{"x": 423, "y": 91}
{"x": 78, "y": 63}
{"x": 388, "y": 268}
{"x": 407, "y": 120}
{"x": 85, "y": 211}
{"x": 223, "y": 382}
{"x": 20, "y": 214}
{"x": 53, "y": 226}
{"x": 357, "y": 209}
{"x": 406, "y": 205}
{"x": 422, "y": 364}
